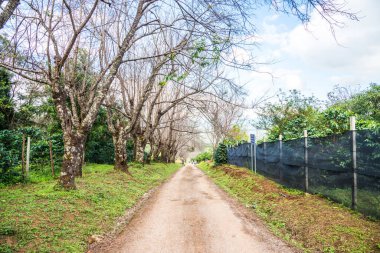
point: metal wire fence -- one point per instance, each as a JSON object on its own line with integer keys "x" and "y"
{"x": 344, "y": 168}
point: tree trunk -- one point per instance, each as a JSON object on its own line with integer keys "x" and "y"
{"x": 121, "y": 161}
{"x": 134, "y": 147}
{"x": 140, "y": 148}
{"x": 164, "y": 154}
{"x": 72, "y": 159}
{"x": 79, "y": 171}
{"x": 172, "y": 157}
{"x": 155, "y": 154}
{"x": 149, "y": 157}
{"x": 8, "y": 11}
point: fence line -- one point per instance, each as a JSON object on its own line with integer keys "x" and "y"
{"x": 345, "y": 168}
{"x": 26, "y": 150}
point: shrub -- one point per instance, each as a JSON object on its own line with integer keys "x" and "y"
{"x": 11, "y": 152}
{"x": 220, "y": 155}
{"x": 203, "y": 157}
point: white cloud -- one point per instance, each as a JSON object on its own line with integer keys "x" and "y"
{"x": 312, "y": 60}
{"x": 293, "y": 81}
{"x": 359, "y": 48}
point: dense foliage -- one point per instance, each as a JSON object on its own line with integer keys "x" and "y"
{"x": 36, "y": 118}
{"x": 99, "y": 148}
{"x": 11, "y": 151}
{"x": 235, "y": 136}
{"x": 294, "y": 112}
{"x": 207, "y": 155}
{"x": 220, "y": 156}
{"x": 6, "y": 104}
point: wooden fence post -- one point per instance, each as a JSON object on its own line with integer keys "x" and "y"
{"x": 306, "y": 161}
{"x": 354, "y": 165}
{"x": 280, "y": 163}
{"x": 51, "y": 158}
{"x": 27, "y": 157}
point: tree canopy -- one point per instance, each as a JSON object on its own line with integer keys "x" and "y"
{"x": 293, "y": 112}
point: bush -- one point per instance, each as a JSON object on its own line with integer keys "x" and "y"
{"x": 203, "y": 157}
{"x": 220, "y": 156}
{"x": 99, "y": 145}
{"x": 11, "y": 152}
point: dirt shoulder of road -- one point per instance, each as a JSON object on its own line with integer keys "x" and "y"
{"x": 114, "y": 238}
{"x": 309, "y": 222}
{"x": 260, "y": 227}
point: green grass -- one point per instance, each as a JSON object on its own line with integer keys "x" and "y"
{"x": 309, "y": 222}
{"x": 368, "y": 201}
{"x": 36, "y": 175}
{"x": 36, "y": 217}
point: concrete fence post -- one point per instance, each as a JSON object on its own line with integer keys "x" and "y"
{"x": 306, "y": 161}
{"x": 27, "y": 157}
{"x": 51, "y": 158}
{"x": 23, "y": 157}
{"x": 280, "y": 162}
{"x": 253, "y": 152}
{"x": 255, "y": 157}
{"x": 354, "y": 165}
{"x": 265, "y": 153}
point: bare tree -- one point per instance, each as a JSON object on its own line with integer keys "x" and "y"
{"x": 76, "y": 47}
{"x": 63, "y": 48}
{"x": 7, "y": 11}
{"x": 342, "y": 93}
{"x": 221, "y": 116}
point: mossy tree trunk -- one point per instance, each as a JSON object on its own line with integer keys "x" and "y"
{"x": 121, "y": 158}
{"x": 72, "y": 159}
{"x": 140, "y": 149}
{"x": 118, "y": 128}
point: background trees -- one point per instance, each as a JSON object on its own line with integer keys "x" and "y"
{"x": 6, "y": 103}
{"x": 293, "y": 112}
{"x": 151, "y": 63}
{"x": 222, "y": 115}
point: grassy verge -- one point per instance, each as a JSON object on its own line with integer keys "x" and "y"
{"x": 309, "y": 222}
{"x": 368, "y": 201}
{"x": 37, "y": 218}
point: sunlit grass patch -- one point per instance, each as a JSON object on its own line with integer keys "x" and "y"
{"x": 36, "y": 217}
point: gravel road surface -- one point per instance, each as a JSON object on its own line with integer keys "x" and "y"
{"x": 189, "y": 213}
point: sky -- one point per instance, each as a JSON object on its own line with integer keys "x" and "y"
{"x": 311, "y": 59}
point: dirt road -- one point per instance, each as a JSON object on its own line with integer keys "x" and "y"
{"x": 191, "y": 214}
